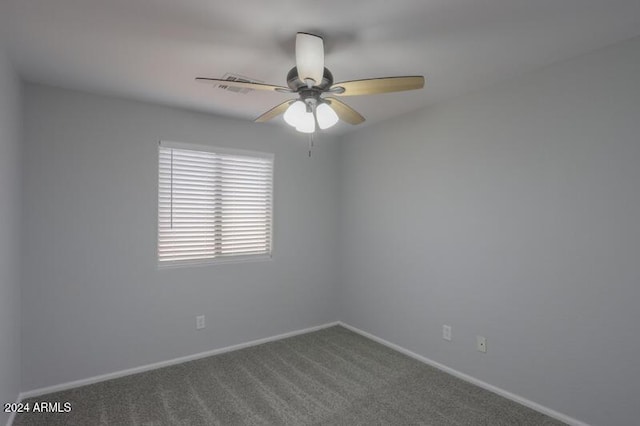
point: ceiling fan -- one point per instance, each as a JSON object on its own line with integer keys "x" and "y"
{"x": 312, "y": 82}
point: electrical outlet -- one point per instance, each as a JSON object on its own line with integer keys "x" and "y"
{"x": 482, "y": 343}
{"x": 446, "y": 332}
{"x": 199, "y": 322}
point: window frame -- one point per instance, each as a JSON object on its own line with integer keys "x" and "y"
{"x": 259, "y": 257}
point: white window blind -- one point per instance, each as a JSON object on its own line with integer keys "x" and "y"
{"x": 213, "y": 204}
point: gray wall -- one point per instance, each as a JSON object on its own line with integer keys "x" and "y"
{"x": 94, "y": 299}
{"x": 10, "y": 126}
{"x": 512, "y": 213}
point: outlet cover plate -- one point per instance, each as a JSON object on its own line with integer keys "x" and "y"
{"x": 200, "y": 324}
{"x": 482, "y": 343}
{"x": 446, "y": 332}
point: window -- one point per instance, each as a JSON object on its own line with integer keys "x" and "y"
{"x": 213, "y": 204}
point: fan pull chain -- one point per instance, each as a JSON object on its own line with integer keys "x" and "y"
{"x": 315, "y": 124}
{"x": 310, "y": 143}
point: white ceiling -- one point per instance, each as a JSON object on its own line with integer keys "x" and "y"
{"x": 152, "y": 49}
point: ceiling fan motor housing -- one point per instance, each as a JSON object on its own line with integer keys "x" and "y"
{"x": 296, "y": 84}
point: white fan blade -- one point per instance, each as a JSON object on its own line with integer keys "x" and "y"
{"x": 243, "y": 84}
{"x": 310, "y": 58}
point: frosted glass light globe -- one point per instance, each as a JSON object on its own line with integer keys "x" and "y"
{"x": 327, "y": 117}
{"x": 294, "y": 114}
{"x": 306, "y": 124}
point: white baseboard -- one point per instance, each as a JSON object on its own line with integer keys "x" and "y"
{"x": 161, "y": 364}
{"x": 513, "y": 397}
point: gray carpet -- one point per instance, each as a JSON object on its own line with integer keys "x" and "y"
{"x": 329, "y": 377}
